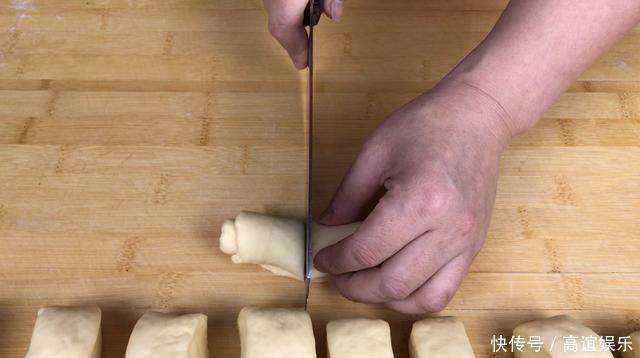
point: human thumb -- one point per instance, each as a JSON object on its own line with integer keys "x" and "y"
{"x": 358, "y": 188}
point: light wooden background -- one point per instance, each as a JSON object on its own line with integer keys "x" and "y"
{"x": 130, "y": 129}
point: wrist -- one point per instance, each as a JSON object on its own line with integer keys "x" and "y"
{"x": 479, "y": 110}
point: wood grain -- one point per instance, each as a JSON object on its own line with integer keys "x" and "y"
{"x": 129, "y": 130}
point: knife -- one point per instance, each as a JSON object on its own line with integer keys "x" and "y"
{"x": 311, "y": 17}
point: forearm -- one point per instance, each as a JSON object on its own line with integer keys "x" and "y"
{"x": 537, "y": 49}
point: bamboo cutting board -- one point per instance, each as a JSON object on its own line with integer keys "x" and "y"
{"x": 129, "y": 130}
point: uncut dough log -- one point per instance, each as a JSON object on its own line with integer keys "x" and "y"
{"x": 275, "y": 243}
{"x": 558, "y": 326}
{"x": 634, "y": 352}
{"x": 66, "y": 332}
{"x": 359, "y": 338}
{"x": 439, "y": 337}
{"x": 162, "y": 335}
{"x": 276, "y": 333}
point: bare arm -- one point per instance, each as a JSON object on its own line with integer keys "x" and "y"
{"x": 539, "y": 47}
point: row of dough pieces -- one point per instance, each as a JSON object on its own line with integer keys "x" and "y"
{"x": 74, "y": 332}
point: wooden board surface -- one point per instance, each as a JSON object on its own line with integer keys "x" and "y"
{"x": 129, "y": 130}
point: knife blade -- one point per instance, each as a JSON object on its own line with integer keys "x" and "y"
{"x": 311, "y": 17}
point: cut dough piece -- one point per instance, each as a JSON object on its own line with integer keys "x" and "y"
{"x": 634, "y": 352}
{"x": 277, "y": 244}
{"x": 555, "y": 330}
{"x": 66, "y": 332}
{"x": 162, "y": 335}
{"x": 276, "y": 333}
{"x": 439, "y": 337}
{"x": 359, "y": 338}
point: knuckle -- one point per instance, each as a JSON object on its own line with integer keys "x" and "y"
{"x": 395, "y": 287}
{"x": 363, "y": 255}
{"x": 277, "y": 29}
{"x": 438, "y": 200}
{"x": 433, "y": 202}
{"x": 435, "y": 301}
{"x": 467, "y": 221}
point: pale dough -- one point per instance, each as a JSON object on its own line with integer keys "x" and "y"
{"x": 162, "y": 335}
{"x": 634, "y": 352}
{"x": 276, "y": 243}
{"x": 557, "y": 327}
{"x": 66, "y": 332}
{"x": 276, "y": 333}
{"x": 439, "y": 337}
{"x": 359, "y": 338}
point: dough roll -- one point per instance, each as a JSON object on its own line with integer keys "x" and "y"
{"x": 359, "y": 338}
{"x": 439, "y": 337}
{"x": 276, "y": 333}
{"x": 556, "y": 328}
{"x": 162, "y": 335}
{"x": 275, "y": 243}
{"x": 66, "y": 332}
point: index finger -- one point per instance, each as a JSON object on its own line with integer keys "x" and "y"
{"x": 391, "y": 225}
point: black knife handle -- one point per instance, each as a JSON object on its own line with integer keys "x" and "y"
{"x": 312, "y": 12}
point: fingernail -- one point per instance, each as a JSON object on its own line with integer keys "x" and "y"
{"x": 337, "y": 8}
{"x": 325, "y": 217}
{"x": 317, "y": 263}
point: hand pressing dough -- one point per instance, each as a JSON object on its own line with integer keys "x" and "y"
{"x": 277, "y": 244}
{"x": 557, "y": 327}
{"x": 359, "y": 338}
{"x": 276, "y": 333}
{"x": 66, "y": 332}
{"x": 439, "y": 337}
{"x": 162, "y": 335}
{"x": 634, "y": 352}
